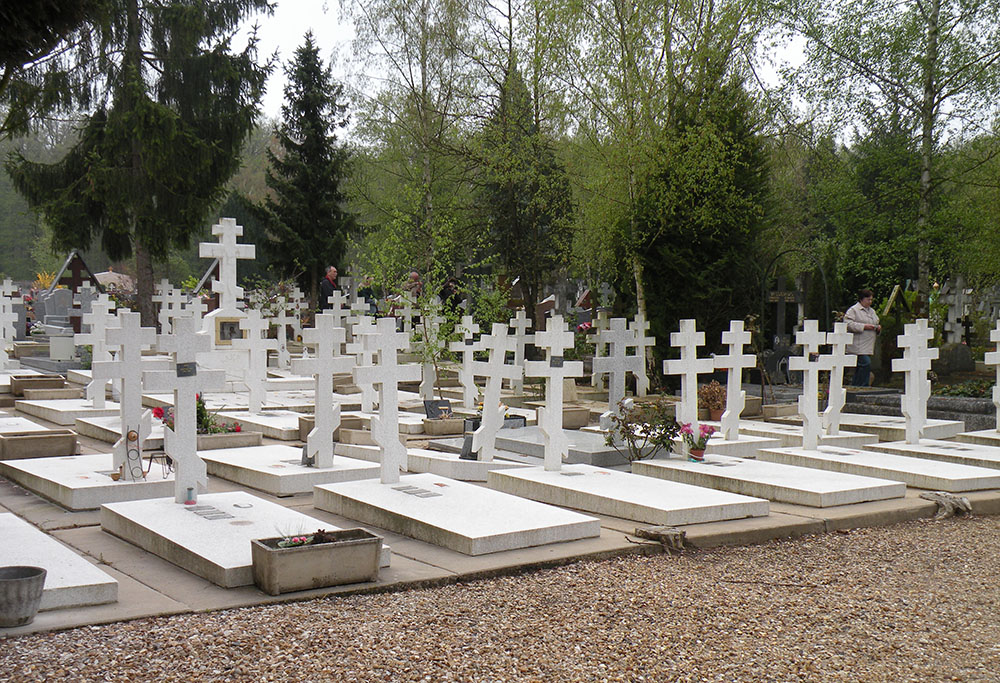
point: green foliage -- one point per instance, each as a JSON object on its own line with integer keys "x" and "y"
{"x": 973, "y": 388}
{"x": 645, "y": 429}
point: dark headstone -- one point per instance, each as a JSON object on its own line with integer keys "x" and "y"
{"x": 435, "y": 409}
{"x": 954, "y": 358}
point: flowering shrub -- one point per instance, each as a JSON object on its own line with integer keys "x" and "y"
{"x": 704, "y": 433}
{"x": 207, "y": 422}
{"x": 643, "y": 428}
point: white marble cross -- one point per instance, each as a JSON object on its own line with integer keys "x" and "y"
{"x": 337, "y": 309}
{"x": 734, "y": 362}
{"x": 915, "y": 364}
{"x": 993, "y": 358}
{"x": 130, "y": 338}
{"x": 257, "y": 345}
{"x": 282, "y": 320}
{"x": 387, "y": 373}
{"x": 495, "y": 370}
{"x": 299, "y": 304}
{"x": 363, "y": 357}
{"x": 186, "y": 381}
{"x": 835, "y": 362}
{"x": 160, "y": 299}
{"x": 555, "y": 339}
{"x": 688, "y": 366}
{"x": 8, "y": 319}
{"x": 327, "y": 338}
{"x": 810, "y": 338}
{"x": 637, "y": 363}
{"x": 406, "y": 311}
{"x": 430, "y": 345}
{"x": 617, "y": 339}
{"x": 228, "y": 252}
{"x": 98, "y": 320}
{"x": 521, "y": 324}
{"x": 600, "y": 323}
{"x": 466, "y": 348}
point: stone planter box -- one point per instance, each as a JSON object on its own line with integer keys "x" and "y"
{"x": 575, "y": 417}
{"x": 779, "y": 410}
{"x": 352, "y": 558}
{"x": 448, "y": 425}
{"x": 208, "y": 442}
{"x": 33, "y": 394}
{"x": 29, "y": 349}
{"x": 22, "y": 445}
{"x": 307, "y": 422}
{"x": 18, "y": 383}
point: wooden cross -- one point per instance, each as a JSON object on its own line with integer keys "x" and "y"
{"x": 363, "y": 356}
{"x": 915, "y": 363}
{"x": 637, "y": 363}
{"x": 495, "y": 370}
{"x": 466, "y": 348}
{"x": 688, "y": 366}
{"x": 993, "y": 358}
{"x": 555, "y": 339}
{"x": 98, "y": 320}
{"x": 617, "y": 339}
{"x": 521, "y": 324}
{"x": 228, "y": 252}
{"x": 835, "y": 362}
{"x": 327, "y": 339}
{"x": 387, "y": 373}
{"x": 810, "y": 338}
{"x": 734, "y": 363}
{"x": 130, "y": 338}
{"x": 257, "y": 345}
{"x": 186, "y": 381}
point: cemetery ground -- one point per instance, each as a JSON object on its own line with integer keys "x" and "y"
{"x": 915, "y": 601}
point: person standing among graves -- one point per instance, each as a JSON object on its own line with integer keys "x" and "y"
{"x": 863, "y": 322}
{"x": 327, "y": 286}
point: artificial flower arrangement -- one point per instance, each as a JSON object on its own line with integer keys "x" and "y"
{"x": 704, "y": 433}
{"x": 207, "y": 422}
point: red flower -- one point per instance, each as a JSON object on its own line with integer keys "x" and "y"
{"x": 237, "y": 427}
{"x": 158, "y": 413}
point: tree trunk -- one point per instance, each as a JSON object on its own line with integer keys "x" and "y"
{"x": 927, "y": 116}
{"x": 144, "y": 286}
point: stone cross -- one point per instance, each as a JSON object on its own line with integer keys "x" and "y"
{"x": 363, "y": 356}
{"x": 601, "y": 322}
{"x": 387, "y": 373}
{"x": 130, "y": 338}
{"x": 257, "y": 345}
{"x": 495, "y": 370}
{"x": 358, "y": 310}
{"x": 186, "y": 381}
{"x": 915, "y": 363}
{"x": 281, "y": 320}
{"x": 337, "y": 309}
{"x": 466, "y": 348}
{"x": 810, "y": 338}
{"x": 734, "y": 362}
{"x": 688, "y": 366}
{"x": 228, "y": 252}
{"x": 617, "y": 339}
{"x": 98, "y": 320}
{"x": 85, "y": 296}
{"x": 429, "y": 346}
{"x": 521, "y": 324}
{"x": 160, "y": 298}
{"x": 195, "y": 308}
{"x": 8, "y": 319}
{"x": 993, "y": 358}
{"x": 327, "y": 338}
{"x": 637, "y": 363}
{"x": 555, "y": 339}
{"x": 835, "y": 362}
{"x": 299, "y": 304}
{"x": 406, "y": 312}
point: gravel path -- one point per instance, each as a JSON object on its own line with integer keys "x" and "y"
{"x": 914, "y": 602}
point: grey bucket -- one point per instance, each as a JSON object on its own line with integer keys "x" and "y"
{"x": 20, "y": 594}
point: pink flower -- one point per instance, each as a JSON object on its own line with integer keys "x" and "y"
{"x": 158, "y": 413}
{"x": 707, "y": 430}
{"x": 686, "y": 429}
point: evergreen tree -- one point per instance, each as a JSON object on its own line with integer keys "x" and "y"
{"x": 306, "y": 213}
{"x": 171, "y": 106}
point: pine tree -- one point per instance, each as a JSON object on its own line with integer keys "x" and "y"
{"x": 171, "y": 107}
{"x": 306, "y": 213}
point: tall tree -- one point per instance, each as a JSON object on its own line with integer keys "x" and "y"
{"x": 308, "y": 222}
{"x": 172, "y": 106}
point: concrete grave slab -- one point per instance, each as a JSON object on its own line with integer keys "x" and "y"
{"x": 211, "y": 539}
{"x": 985, "y": 437}
{"x": 277, "y": 469}
{"x": 915, "y": 472}
{"x": 19, "y": 425}
{"x": 463, "y": 517}
{"x": 5, "y": 376}
{"x": 626, "y": 495}
{"x": 790, "y": 434}
{"x": 451, "y": 466}
{"x": 282, "y": 425}
{"x": 108, "y": 429}
{"x": 772, "y": 481}
{"x": 65, "y": 411}
{"x": 945, "y": 451}
{"x": 83, "y": 482}
{"x": 886, "y": 427}
{"x": 71, "y": 581}
{"x": 585, "y": 447}
{"x": 37, "y": 444}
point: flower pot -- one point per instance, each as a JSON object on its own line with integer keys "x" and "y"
{"x": 443, "y": 425}
{"x": 715, "y": 414}
{"x": 696, "y": 455}
{"x": 20, "y": 594}
{"x": 352, "y": 558}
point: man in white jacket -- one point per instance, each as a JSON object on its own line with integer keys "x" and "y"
{"x": 862, "y": 320}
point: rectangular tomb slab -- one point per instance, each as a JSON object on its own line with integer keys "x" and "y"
{"x": 70, "y": 581}
{"x": 985, "y": 437}
{"x": 282, "y": 425}
{"x": 773, "y": 481}
{"x": 885, "y": 427}
{"x": 915, "y": 472}
{"x": 83, "y": 482}
{"x": 790, "y": 435}
{"x": 626, "y": 495}
{"x": 210, "y": 539}
{"x": 65, "y": 411}
{"x": 463, "y": 517}
{"x": 19, "y": 425}
{"x": 277, "y": 469}
{"x": 585, "y": 447}
{"x": 945, "y": 451}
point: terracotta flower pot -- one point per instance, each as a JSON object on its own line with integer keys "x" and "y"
{"x": 696, "y": 454}
{"x": 716, "y": 414}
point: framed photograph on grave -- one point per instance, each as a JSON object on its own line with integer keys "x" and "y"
{"x": 226, "y": 330}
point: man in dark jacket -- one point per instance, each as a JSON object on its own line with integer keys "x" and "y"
{"x": 326, "y": 287}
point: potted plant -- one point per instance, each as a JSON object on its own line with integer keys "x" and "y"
{"x": 696, "y": 446}
{"x": 323, "y": 558}
{"x": 644, "y": 429}
{"x": 712, "y": 397}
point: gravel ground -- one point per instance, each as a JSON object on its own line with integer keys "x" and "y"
{"x": 914, "y": 602}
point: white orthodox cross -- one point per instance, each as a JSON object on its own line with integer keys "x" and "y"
{"x": 466, "y": 348}
{"x": 915, "y": 363}
{"x": 637, "y": 363}
{"x": 993, "y": 358}
{"x": 406, "y": 312}
{"x": 387, "y": 373}
{"x": 282, "y": 319}
{"x": 228, "y": 252}
{"x": 327, "y": 339}
{"x": 363, "y": 356}
{"x": 521, "y": 324}
{"x": 810, "y": 338}
{"x": 495, "y": 370}
{"x": 130, "y": 338}
{"x": 186, "y": 381}
{"x": 299, "y": 304}
{"x": 98, "y": 320}
{"x": 616, "y": 339}
{"x": 257, "y": 345}
{"x": 688, "y": 366}
{"x": 160, "y": 299}
{"x": 600, "y": 323}
{"x": 555, "y": 339}
{"x": 734, "y": 363}
{"x": 429, "y": 346}
{"x": 8, "y": 319}
{"x": 835, "y": 363}
{"x": 337, "y": 309}
{"x": 195, "y": 308}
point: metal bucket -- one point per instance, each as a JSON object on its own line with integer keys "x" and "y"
{"x": 20, "y": 594}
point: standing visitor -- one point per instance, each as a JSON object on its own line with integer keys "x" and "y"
{"x": 327, "y": 286}
{"x": 862, "y": 320}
